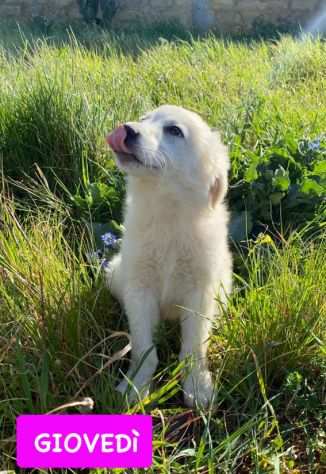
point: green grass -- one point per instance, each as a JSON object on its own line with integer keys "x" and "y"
{"x": 62, "y": 336}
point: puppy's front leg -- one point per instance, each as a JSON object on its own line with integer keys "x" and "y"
{"x": 196, "y": 323}
{"x": 142, "y": 309}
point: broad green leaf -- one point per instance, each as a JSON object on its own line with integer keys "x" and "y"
{"x": 281, "y": 183}
{"x": 319, "y": 168}
{"x": 311, "y": 186}
{"x": 281, "y": 180}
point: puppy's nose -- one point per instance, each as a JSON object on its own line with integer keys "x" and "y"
{"x": 132, "y": 135}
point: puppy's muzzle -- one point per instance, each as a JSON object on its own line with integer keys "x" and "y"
{"x": 125, "y": 142}
{"x": 131, "y": 137}
{"x": 122, "y": 139}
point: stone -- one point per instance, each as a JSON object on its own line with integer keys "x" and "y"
{"x": 226, "y": 15}
{"x": 305, "y": 5}
{"x": 8, "y": 10}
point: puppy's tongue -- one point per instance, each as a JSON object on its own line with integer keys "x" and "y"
{"x": 116, "y": 140}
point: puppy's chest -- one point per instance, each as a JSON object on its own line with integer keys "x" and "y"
{"x": 166, "y": 251}
{"x": 172, "y": 256}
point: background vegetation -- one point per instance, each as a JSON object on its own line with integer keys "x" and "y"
{"x": 62, "y": 336}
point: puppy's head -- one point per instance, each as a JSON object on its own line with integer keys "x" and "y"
{"x": 176, "y": 145}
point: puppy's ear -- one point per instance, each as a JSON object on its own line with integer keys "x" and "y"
{"x": 221, "y": 165}
{"x": 217, "y": 190}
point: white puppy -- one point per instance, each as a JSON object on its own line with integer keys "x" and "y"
{"x": 174, "y": 259}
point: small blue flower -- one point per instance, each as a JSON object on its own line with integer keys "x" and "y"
{"x": 109, "y": 240}
{"x": 104, "y": 263}
{"x": 315, "y": 145}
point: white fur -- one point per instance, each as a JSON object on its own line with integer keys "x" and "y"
{"x": 174, "y": 259}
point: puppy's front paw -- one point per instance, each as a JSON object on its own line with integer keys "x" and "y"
{"x": 198, "y": 389}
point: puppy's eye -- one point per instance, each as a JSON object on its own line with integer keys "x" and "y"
{"x": 174, "y": 130}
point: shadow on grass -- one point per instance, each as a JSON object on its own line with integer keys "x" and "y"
{"x": 131, "y": 40}
{"x": 14, "y": 36}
